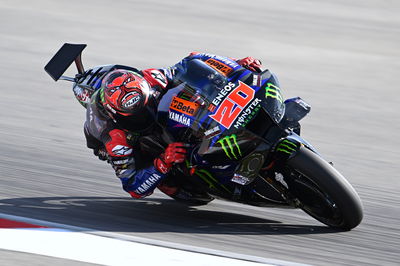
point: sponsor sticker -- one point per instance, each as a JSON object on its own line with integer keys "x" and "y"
{"x": 184, "y": 106}
{"x": 180, "y": 118}
{"x": 225, "y": 60}
{"x": 212, "y": 132}
{"x": 148, "y": 183}
{"x": 231, "y": 147}
{"x": 131, "y": 99}
{"x": 222, "y": 93}
{"x": 122, "y": 150}
{"x": 248, "y": 113}
{"x": 221, "y": 167}
{"x": 82, "y": 94}
{"x": 219, "y": 66}
{"x": 274, "y": 92}
{"x": 233, "y": 104}
{"x": 239, "y": 179}
{"x": 157, "y": 75}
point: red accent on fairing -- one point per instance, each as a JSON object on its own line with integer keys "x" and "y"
{"x": 192, "y": 171}
{"x": 4, "y": 223}
{"x": 193, "y": 53}
{"x": 118, "y": 137}
{"x": 151, "y": 80}
{"x": 135, "y": 195}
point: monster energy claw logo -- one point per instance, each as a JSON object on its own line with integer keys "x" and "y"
{"x": 230, "y": 146}
{"x": 287, "y": 146}
{"x": 273, "y": 92}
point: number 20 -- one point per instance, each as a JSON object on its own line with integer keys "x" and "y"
{"x": 232, "y": 106}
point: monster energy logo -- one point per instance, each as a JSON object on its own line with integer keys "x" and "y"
{"x": 287, "y": 146}
{"x": 273, "y": 92}
{"x": 207, "y": 177}
{"x": 230, "y": 146}
{"x": 102, "y": 95}
{"x": 94, "y": 96}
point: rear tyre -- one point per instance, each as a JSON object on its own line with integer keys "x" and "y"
{"x": 323, "y": 192}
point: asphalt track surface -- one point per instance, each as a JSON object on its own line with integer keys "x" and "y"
{"x": 340, "y": 56}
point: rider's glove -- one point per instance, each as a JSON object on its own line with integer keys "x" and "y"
{"x": 174, "y": 153}
{"x": 101, "y": 153}
{"x": 250, "y": 63}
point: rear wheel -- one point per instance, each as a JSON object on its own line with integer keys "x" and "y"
{"x": 323, "y": 192}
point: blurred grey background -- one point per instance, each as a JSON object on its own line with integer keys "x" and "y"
{"x": 340, "y": 56}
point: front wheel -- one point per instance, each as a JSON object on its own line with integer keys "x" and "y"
{"x": 323, "y": 192}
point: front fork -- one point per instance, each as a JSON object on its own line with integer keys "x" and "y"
{"x": 274, "y": 172}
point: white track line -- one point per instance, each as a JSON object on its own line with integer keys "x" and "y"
{"x": 84, "y": 244}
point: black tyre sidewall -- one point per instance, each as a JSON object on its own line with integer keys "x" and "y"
{"x": 331, "y": 182}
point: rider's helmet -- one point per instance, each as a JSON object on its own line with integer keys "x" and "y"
{"x": 128, "y": 100}
{"x": 126, "y": 93}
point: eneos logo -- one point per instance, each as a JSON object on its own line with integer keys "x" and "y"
{"x": 231, "y": 107}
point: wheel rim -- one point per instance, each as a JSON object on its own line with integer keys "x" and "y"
{"x": 317, "y": 203}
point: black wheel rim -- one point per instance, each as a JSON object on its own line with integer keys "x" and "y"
{"x": 316, "y": 203}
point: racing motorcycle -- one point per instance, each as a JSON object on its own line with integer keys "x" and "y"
{"x": 245, "y": 138}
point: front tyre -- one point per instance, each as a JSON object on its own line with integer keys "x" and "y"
{"x": 323, "y": 192}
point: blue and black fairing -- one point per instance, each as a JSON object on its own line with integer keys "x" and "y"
{"x": 201, "y": 83}
{"x": 221, "y": 154}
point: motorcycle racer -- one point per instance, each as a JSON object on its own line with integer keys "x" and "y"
{"x": 123, "y": 110}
